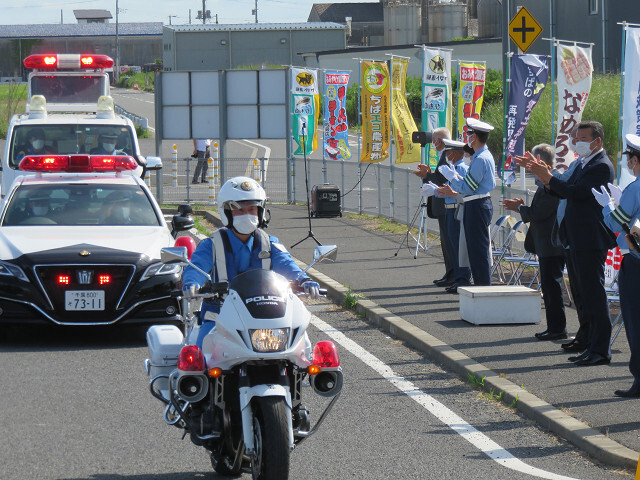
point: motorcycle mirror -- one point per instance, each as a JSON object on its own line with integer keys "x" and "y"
{"x": 174, "y": 255}
{"x": 325, "y": 252}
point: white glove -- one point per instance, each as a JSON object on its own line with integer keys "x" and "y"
{"x": 428, "y": 190}
{"x": 602, "y": 196}
{"x": 616, "y": 192}
{"x": 311, "y": 288}
{"x": 447, "y": 172}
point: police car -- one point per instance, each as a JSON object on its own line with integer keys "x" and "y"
{"x": 80, "y": 240}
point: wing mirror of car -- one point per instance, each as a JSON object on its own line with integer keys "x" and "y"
{"x": 154, "y": 163}
{"x": 185, "y": 209}
{"x": 180, "y": 223}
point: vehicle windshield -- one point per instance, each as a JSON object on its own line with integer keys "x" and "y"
{"x": 69, "y": 139}
{"x": 80, "y": 204}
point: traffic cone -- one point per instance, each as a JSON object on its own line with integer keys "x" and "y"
{"x": 638, "y": 470}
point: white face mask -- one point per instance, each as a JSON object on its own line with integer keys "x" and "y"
{"x": 583, "y": 148}
{"x": 108, "y": 147}
{"x": 245, "y": 224}
{"x": 40, "y": 211}
{"x": 37, "y": 144}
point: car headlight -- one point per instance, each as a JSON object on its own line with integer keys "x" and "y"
{"x": 12, "y": 270}
{"x": 269, "y": 339}
{"x": 161, "y": 269}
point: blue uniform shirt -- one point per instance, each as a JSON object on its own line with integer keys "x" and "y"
{"x": 480, "y": 178}
{"x": 627, "y": 212}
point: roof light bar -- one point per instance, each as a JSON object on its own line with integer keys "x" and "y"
{"x": 78, "y": 163}
{"x": 68, "y": 61}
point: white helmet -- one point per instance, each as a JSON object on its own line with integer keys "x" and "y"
{"x": 236, "y": 190}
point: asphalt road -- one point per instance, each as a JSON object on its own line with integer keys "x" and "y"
{"x": 75, "y": 405}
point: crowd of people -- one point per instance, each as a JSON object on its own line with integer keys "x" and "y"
{"x": 573, "y": 219}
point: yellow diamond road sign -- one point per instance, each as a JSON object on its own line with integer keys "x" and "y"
{"x": 524, "y": 29}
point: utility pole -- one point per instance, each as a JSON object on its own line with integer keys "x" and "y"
{"x": 255, "y": 11}
{"x": 170, "y": 17}
{"x": 204, "y": 9}
{"x": 116, "y": 74}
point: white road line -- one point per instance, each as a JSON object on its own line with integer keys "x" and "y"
{"x": 267, "y": 154}
{"x": 437, "y": 409}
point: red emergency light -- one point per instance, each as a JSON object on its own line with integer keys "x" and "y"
{"x": 68, "y": 61}
{"x": 78, "y": 163}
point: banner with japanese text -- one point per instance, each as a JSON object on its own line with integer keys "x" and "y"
{"x": 574, "y": 75}
{"x": 304, "y": 102}
{"x": 401, "y": 118}
{"x": 471, "y": 77}
{"x": 631, "y": 94}
{"x": 336, "y": 128}
{"x": 375, "y": 104}
{"x": 436, "y": 94}
{"x": 529, "y": 75}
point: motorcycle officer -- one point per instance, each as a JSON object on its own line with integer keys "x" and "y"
{"x": 239, "y": 246}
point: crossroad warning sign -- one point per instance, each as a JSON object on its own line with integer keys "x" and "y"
{"x": 524, "y": 29}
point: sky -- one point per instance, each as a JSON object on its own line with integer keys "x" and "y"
{"x": 229, "y": 11}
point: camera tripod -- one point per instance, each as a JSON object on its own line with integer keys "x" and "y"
{"x": 421, "y": 240}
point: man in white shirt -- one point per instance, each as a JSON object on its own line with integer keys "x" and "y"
{"x": 201, "y": 152}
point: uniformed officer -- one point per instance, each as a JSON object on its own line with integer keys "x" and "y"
{"x": 626, "y": 213}
{"x": 472, "y": 192}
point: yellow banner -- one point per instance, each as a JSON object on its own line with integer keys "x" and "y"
{"x": 402, "y": 121}
{"x": 375, "y": 104}
{"x": 470, "y": 94}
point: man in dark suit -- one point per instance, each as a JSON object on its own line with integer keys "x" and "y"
{"x": 541, "y": 216}
{"x": 583, "y": 231}
{"x": 435, "y": 206}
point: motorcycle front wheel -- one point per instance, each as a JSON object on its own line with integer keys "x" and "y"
{"x": 271, "y": 439}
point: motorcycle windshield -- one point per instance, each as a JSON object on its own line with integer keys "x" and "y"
{"x": 263, "y": 292}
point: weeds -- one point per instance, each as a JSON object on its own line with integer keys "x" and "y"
{"x": 350, "y": 301}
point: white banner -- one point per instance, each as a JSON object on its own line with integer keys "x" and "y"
{"x": 304, "y": 81}
{"x": 631, "y": 96}
{"x": 575, "y": 72}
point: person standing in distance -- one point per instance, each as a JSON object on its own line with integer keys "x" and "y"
{"x": 626, "y": 213}
{"x": 435, "y": 205}
{"x": 473, "y": 193}
{"x": 202, "y": 153}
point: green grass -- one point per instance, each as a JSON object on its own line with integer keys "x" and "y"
{"x": 350, "y": 301}
{"x": 145, "y": 81}
{"x": 13, "y": 99}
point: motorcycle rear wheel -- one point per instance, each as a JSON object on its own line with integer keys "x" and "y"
{"x": 271, "y": 439}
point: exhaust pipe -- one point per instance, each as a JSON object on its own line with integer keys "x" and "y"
{"x": 192, "y": 388}
{"x": 327, "y": 383}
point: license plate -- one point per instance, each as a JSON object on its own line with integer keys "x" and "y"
{"x": 84, "y": 300}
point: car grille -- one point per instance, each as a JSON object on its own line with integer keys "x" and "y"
{"x": 85, "y": 277}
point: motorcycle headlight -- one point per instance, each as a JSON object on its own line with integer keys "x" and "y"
{"x": 269, "y": 339}
{"x": 161, "y": 269}
{"x": 10, "y": 269}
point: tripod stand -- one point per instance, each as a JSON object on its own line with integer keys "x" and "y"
{"x": 422, "y": 230}
{"x": 306, "y": 182}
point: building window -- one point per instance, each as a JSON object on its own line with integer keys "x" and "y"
{"x": 593, "y": 7}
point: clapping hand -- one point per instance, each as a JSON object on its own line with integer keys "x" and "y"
{"x": 525, "y": 160}
{"x": 513, "y": 204}
{"x": 616, "y": 192}
{"x": 602, "y": 196}
{"x": 447, "y": 172}
{"x": 446, "y": 191}
{"x": 428, "y": 189}
{"x": 422, "y": 171}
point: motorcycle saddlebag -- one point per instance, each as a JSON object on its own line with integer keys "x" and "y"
{"x": 325, "y": 201}
{"x": 165, "y": 343}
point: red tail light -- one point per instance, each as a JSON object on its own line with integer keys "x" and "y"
{"x": 191, "y": 359}
{"x": 104, "y": 279}
{"x": 325, "y": 354}
{"x": 78, "y": 163}
{"x": 63, "y": 279}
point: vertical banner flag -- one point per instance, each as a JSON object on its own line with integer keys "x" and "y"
{"x": 336, "y": 128}
{"x": 574, "y": 84}
{"x": 375, "y": 101}
{"x": 304, "y": 101}
{"x": 529, "y": 76}
{"x": 402, "y": 121}
{"x": 631, "y": 94}
{"x": 436, "y": 94}
{"x": 470, "y": 94}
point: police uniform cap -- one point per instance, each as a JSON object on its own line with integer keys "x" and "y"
{"x": 109, "y": 136}
{"x": 477, "y": 126}
{"x": 452, "y": 144}
{"x": 633, "y": 143}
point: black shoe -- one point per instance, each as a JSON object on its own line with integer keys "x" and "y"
{"x": 574, "y": 347}
{"x": 633, "y": 392}
{"x": 547, "y": 335}
{"x": 577, "y": 358}
{"x": 452, "y": 289}
{"x": 444, "y": 283}
{"x": 593, "y": 359}
{"x": 443, "y": 279}
{"x": 195, "y": 181}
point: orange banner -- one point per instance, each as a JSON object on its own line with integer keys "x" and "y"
{"x": 375, "y": 100}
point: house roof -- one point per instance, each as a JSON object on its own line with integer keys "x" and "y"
{"x": 80, "y": 30}
{"x": 256, "y": 26}
{"x": 92, "y": 14}
{"x": 358, "y": 11}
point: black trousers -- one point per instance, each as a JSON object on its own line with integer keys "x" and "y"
{"x": 477, "y": 218}
{"x": 582, "y": 335}
{"x": 461, "y": 275}
{"x": 589, "y": 267}
{"x": 445, "y": 244}
{"x": 551, "y": 286}
{"x": 202, "y": 166}
{"x": 629, "y": 280}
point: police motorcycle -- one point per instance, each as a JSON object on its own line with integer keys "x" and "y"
{"x": 240, "y": 395}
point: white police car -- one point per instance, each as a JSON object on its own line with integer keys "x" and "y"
{"x": 80, "y": 244}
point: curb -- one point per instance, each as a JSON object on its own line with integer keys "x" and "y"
{"x": 544, "y": 414}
